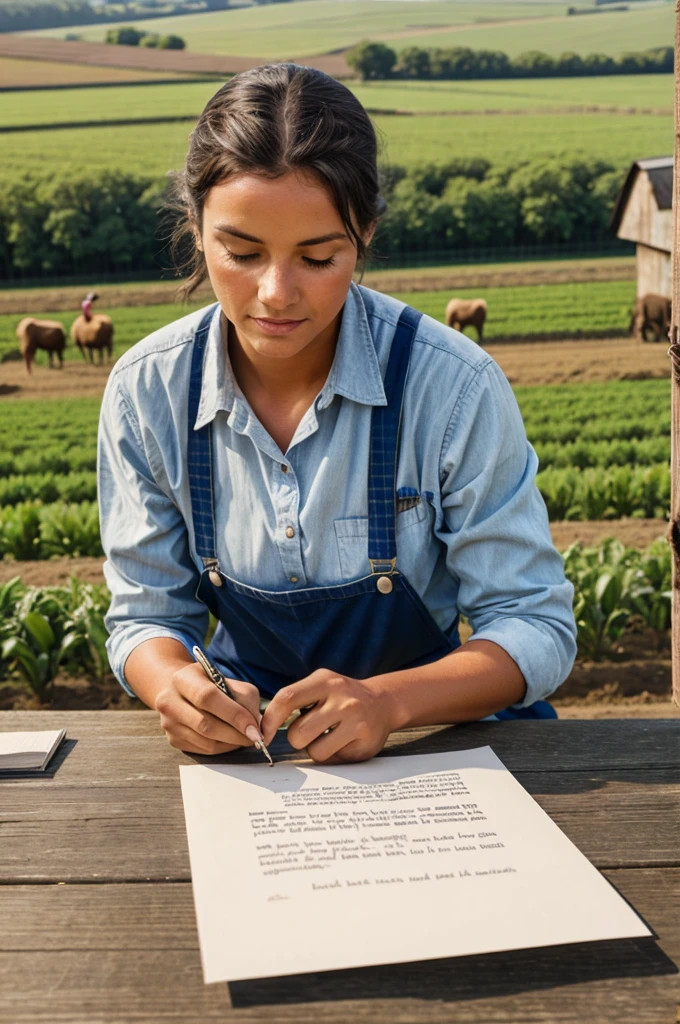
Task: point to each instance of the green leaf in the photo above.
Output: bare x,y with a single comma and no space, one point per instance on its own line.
41,631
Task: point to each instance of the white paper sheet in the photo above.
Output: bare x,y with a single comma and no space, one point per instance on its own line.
393,860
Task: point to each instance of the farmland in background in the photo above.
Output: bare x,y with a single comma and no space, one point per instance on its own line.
24,73
187,99
285,31
603,447
603,451
526,311
502,138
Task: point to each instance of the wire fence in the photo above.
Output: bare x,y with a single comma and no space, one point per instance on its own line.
426,258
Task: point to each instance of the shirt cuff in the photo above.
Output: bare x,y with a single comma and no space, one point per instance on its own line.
121,647
544,660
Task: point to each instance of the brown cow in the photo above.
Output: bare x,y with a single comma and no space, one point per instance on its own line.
651,313
48,335
94,335
462,313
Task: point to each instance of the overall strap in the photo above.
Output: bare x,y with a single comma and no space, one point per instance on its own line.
199,452
385,428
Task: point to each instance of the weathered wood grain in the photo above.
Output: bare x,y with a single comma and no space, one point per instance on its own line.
136,831
124,953
569,745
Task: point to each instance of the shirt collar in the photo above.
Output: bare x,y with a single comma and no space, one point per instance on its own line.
355,373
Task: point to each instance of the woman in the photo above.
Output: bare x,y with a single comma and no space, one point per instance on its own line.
333,475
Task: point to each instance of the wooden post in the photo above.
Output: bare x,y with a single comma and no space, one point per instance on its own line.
674,352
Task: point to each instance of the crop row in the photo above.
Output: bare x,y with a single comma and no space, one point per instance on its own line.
31,530
34,531
48,487
46,630
643,492
70,475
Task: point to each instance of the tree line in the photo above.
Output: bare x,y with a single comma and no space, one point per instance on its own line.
111,222
127,35
23,15
379,61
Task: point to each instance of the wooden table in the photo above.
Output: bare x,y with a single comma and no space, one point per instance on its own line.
97,918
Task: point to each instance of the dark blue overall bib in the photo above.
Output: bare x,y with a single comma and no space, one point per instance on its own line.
359,628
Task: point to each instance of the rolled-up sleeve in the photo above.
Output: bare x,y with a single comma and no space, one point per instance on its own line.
148,567
511,579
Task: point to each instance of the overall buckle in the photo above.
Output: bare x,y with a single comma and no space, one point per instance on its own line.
383,568
213,567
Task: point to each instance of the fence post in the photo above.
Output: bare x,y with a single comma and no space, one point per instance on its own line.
674,352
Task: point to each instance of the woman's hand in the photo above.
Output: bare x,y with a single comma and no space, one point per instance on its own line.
200,719
349,720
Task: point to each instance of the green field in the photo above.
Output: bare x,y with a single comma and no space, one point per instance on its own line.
626,91
570,309
282,31
61,106
188,99
501,138
511,138
611,33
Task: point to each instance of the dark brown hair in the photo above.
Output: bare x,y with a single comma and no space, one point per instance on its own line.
271,120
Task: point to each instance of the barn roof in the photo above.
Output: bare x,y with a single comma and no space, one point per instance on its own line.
660,173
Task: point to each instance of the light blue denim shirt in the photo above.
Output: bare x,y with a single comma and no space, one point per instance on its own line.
476,540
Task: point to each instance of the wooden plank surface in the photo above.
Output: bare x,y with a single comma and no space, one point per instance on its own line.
569,745
137,832
116,953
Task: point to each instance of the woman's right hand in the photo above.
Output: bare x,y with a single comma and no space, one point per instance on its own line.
195,715
200,719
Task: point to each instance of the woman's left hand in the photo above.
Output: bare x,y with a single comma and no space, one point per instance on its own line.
359,717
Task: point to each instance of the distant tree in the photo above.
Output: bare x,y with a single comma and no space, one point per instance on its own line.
372,60
126,35
533,64
150,39
460,61
492,64
414,63
171,42
599,64
569,64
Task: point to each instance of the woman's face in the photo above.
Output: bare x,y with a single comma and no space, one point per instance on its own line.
279,259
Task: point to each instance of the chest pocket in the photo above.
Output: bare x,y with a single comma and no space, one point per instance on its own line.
413,529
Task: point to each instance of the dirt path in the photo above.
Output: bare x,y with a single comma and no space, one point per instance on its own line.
578,361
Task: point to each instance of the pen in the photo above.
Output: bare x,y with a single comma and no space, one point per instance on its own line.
215,676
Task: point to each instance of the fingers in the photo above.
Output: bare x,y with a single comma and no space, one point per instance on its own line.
248,696
292,698
309,727
199,718
199,691
341,745
190,742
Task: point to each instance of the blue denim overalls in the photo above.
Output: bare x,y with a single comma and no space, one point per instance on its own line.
358,628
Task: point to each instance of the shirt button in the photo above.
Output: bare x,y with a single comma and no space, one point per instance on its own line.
293,579
290,532
284,467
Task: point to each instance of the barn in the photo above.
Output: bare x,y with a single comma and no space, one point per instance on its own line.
643,215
